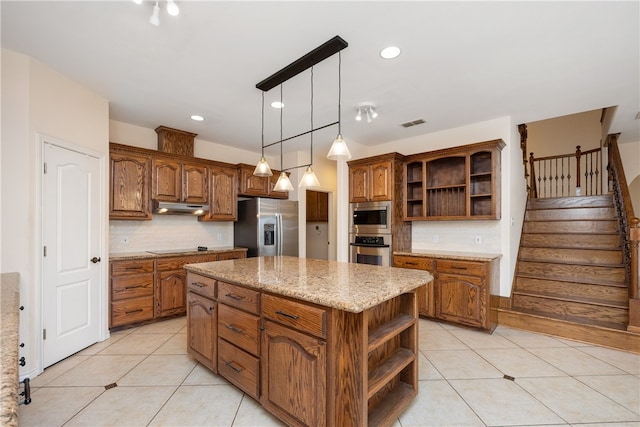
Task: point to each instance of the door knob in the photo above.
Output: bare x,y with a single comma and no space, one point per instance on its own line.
95,259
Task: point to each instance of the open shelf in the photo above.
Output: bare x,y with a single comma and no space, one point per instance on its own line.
389,330
388,369
395,403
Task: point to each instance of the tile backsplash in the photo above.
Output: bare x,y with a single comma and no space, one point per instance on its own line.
168,232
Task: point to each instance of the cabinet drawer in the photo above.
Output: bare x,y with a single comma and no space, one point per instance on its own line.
239,328
239,297
418,263
231,255
131,287
201,285
300,316
120,268
131,311
176,263
468,268
239,367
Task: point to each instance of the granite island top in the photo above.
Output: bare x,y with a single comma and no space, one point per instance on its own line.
345,286
122,256
9,319
459,255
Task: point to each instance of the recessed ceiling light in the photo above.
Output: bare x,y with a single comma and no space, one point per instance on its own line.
277,104
390,52
197,118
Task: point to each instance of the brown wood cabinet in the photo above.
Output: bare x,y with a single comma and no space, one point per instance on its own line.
129,186
258,186
202,329
461,291
132,291
175,181
223,196
152,288
454,183
372,179
317,206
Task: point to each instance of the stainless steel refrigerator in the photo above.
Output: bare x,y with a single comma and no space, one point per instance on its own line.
267,227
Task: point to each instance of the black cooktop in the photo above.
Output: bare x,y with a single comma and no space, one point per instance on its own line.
178,251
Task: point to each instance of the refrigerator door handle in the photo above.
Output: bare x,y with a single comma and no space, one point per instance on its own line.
278,235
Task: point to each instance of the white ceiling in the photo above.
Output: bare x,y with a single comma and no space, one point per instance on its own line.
461,62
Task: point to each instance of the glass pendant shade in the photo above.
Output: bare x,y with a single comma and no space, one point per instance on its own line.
339,149
283,183
309,179
262,168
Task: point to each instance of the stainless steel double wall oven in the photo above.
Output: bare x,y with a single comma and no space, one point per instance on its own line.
370,233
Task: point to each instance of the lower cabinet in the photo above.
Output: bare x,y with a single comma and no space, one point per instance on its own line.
201,329
461,290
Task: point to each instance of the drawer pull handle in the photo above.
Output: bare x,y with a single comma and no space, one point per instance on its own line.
455,267
234,329
230,364
134,287
134,311
235,297
200,285
411,263
290,316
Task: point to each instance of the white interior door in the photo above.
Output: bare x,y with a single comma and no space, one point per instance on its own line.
71,239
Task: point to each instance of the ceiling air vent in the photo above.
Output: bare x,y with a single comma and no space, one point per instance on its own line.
413,123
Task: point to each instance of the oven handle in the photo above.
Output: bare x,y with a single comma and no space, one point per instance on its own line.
369,245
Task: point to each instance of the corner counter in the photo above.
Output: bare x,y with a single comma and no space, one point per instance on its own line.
10,321
316,343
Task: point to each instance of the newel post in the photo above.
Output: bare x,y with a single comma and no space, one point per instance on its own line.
578,189
634,301
533,190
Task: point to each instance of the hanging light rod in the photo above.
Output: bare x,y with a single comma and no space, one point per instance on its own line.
305,62
301,134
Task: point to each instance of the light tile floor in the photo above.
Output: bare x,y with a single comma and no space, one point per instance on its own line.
557,382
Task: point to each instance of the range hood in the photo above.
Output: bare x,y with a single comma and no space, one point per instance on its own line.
170,208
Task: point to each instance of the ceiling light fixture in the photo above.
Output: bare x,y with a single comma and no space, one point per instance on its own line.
262,168
277,104
390,52
367,110
172,8
197,118
155,16
339,149
319,54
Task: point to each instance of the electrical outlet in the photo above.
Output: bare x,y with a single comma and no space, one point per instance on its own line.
436,238
478,239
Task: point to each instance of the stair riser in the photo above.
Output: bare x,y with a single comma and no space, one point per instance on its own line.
574,310
570,214
573,273
578,256
612,294
583,241
570,227
571,202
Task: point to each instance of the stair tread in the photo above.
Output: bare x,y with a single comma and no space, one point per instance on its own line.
570,262
573,280
575,299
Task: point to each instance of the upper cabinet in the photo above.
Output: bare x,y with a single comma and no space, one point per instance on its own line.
129,186
223,195
372,179
260,186
175,181
317,206
455,183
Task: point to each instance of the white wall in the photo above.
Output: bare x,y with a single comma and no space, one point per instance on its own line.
37,100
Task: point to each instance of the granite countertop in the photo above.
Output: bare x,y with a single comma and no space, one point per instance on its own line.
464,256
120,256
9,319
345,286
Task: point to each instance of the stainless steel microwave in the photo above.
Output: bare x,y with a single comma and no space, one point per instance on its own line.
371,218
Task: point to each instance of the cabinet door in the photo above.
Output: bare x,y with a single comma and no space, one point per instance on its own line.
167,181
202,330
323,206
381,174
224,194
171,292
195,184
312,206
461,299
294,364
129,187
252,185
359,183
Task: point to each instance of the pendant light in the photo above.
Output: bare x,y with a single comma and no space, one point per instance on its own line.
262,168
339,149
309,179
283,183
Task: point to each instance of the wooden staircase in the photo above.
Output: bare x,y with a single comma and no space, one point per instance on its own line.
570,264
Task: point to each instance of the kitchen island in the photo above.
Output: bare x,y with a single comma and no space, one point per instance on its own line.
317,343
